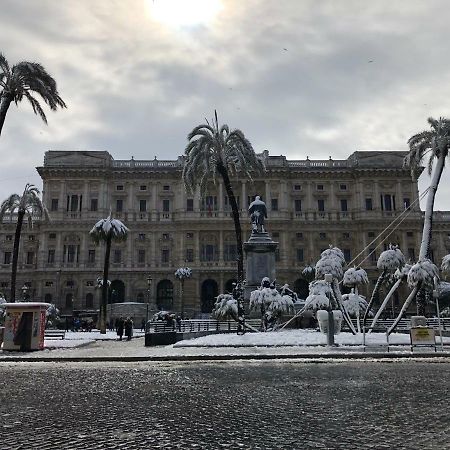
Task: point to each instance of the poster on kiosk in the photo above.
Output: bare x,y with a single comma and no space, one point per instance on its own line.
25,326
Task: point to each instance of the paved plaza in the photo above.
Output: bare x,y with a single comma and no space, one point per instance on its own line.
225,404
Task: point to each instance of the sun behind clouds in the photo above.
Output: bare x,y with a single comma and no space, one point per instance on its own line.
183,13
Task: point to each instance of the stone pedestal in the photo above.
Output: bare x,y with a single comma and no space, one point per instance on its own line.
260,261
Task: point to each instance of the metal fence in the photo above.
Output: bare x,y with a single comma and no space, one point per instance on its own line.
196,325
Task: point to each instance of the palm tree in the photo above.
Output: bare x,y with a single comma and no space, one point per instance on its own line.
183,273
107,230
23,79
29,205
436,143
212,150
389,261
421,275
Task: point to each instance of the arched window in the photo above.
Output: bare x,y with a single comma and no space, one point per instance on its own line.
210,291
89,301
164,295
69,300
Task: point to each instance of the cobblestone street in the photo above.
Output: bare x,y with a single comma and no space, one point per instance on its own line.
254,405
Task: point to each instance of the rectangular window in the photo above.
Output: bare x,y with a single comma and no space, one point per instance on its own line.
91,256
297,187
8,237
52,236
409,234
166,187
4,284
320,187
54,204
347,255
141,256
372,255
189,235
230,252
387,202
299,235
300,255
371,234
322,236
343,187
94,204
31,237
117,256
321,205
143,187
119,205
141,236
189,204
274,204
208,252
142,205
189,255
345,235
298,205
344,205
7,258
119,187
51,256
166,205
166,236
49,283
406,203
30,257
209,203
165,255
71,250
369,206
74,203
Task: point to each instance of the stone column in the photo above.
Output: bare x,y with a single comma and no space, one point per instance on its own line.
399,197
267,200
220,199
244,205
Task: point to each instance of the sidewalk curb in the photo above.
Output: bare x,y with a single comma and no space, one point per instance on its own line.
179,358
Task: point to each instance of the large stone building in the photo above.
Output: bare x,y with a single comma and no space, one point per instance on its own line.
311,204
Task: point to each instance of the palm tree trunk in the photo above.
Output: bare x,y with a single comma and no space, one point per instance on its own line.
404,308
385,302
428,220
20,216
240,258
338,297
105,286
182,297
4,105
372,298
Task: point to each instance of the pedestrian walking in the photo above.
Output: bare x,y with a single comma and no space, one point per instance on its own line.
178,320
143,325
120,326
128,328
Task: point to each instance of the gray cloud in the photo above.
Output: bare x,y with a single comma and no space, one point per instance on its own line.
298,77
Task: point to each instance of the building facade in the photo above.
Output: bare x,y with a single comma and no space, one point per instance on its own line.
354,204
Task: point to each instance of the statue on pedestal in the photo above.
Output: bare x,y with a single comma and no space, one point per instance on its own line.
258,213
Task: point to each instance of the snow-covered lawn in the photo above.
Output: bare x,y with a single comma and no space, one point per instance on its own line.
294,338
77,338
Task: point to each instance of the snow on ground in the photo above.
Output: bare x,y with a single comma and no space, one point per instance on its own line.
294,338
77,338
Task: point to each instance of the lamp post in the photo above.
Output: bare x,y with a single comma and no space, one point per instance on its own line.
25,289
149,287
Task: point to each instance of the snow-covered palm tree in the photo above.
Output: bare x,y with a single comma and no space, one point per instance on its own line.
225,307
389,261
331,262
356,306
421,275
436,144
23,80
354,277
210,151
400,275
319,296
183,273
107,230
309,273
28,206
445,265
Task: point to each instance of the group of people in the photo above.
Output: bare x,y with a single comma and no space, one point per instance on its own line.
77,324
124,325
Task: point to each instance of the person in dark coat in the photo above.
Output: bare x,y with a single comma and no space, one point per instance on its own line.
128,328
119,327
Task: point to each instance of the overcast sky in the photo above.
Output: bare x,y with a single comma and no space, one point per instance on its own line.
300,78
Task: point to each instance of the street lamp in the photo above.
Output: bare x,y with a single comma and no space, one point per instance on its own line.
149,287
25,289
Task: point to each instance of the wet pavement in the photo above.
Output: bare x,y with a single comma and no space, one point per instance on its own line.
229,404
